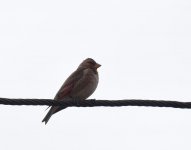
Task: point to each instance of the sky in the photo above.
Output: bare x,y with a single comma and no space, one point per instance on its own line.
145,52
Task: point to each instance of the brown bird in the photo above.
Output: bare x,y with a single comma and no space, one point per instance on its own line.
79,85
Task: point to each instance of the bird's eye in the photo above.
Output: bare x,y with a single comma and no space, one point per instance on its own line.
90,62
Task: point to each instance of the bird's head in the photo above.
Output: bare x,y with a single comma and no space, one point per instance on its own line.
89,63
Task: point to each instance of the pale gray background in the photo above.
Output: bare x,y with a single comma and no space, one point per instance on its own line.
144,48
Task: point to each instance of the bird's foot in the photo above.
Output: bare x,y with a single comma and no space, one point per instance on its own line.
76,101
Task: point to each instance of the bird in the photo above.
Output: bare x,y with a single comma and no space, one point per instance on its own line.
79,85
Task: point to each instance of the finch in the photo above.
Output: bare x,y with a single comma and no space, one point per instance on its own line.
79,85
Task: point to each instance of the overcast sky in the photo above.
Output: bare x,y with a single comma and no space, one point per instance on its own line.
145,51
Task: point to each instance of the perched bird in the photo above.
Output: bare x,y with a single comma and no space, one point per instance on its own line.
79,85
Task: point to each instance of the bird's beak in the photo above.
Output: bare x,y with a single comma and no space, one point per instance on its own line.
97,65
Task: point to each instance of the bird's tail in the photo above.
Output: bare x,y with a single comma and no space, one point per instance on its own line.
52,111
47,117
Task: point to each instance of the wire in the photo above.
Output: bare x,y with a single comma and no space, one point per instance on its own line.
96,103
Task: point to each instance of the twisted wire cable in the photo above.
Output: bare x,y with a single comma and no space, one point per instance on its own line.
96,103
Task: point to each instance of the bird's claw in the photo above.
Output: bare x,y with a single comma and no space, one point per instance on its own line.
76,101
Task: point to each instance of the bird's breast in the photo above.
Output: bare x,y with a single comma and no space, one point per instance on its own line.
86,85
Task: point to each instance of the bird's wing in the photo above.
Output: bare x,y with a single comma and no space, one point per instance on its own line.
65,91
68,85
